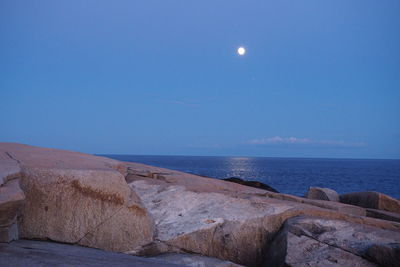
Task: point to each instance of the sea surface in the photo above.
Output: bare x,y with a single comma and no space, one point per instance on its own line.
289,175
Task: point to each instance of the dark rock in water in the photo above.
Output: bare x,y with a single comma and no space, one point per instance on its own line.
251,183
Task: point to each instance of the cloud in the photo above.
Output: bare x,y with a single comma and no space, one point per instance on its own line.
280,140
276,140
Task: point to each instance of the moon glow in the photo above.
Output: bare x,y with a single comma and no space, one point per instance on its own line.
241,51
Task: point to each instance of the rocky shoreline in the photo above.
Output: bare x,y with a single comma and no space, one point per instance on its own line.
137,214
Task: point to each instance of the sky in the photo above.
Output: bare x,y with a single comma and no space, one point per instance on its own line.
319,78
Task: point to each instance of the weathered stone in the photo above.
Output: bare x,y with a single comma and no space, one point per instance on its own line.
11,200
385,254
24,253
373,200
219,219
308,241
77,198
384,215
9,167
82,199
39,253
194,260
322,194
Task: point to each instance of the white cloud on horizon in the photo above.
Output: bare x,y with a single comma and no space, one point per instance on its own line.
302,141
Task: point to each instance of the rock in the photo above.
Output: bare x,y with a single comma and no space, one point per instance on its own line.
255,184
39,253
372,200
308,241
193,260
322,194
11,197
219,219
385,254
148,211
384,215
76,198
23,253
11,200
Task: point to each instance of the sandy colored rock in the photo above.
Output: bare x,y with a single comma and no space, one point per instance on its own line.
373,200
77,198
308,241
322,194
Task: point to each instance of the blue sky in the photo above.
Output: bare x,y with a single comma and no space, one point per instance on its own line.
319,79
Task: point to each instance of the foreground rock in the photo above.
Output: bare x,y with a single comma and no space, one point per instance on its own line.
322,194
77,198
147,211
373,200
38,253
223,220
306,241
255,184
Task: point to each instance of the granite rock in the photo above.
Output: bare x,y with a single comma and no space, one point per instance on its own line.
77,198
310,241
322,194
372,200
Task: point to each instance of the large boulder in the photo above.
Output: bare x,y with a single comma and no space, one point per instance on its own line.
77,198
322,194
373,200
310,241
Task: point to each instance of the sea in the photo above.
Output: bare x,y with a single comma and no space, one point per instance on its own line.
288,175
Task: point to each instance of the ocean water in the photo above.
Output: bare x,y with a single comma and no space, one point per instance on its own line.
289,175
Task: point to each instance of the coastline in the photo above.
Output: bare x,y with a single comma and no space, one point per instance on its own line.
142,210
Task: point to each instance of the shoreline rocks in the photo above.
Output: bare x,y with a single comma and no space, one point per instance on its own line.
372,200
143,210
322,194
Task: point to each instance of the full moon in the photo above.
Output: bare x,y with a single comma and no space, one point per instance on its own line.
241,51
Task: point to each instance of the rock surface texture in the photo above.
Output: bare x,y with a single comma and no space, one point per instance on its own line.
307,241
11,197
38,253
373,200
322,194
77,198
142,210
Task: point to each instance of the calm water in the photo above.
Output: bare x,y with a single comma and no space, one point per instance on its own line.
289,175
